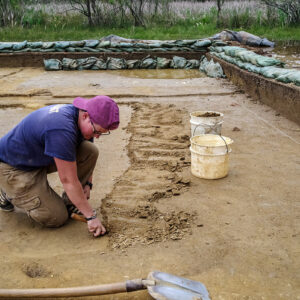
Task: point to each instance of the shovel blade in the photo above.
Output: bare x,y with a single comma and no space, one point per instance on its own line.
171,287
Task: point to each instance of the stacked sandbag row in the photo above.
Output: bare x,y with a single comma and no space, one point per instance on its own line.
108,46
111,63
266,66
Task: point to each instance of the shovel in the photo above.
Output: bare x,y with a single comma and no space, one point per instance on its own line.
160,285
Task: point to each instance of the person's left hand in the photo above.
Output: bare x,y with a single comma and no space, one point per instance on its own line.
87,191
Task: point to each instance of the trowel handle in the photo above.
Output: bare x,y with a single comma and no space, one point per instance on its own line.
77,217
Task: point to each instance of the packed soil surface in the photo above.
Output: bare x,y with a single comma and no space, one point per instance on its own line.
238,235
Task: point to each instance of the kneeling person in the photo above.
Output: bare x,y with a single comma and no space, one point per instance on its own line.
55,138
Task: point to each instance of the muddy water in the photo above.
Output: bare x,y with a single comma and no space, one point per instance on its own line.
160,74
290,54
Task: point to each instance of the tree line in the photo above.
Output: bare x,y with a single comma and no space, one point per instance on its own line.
124,12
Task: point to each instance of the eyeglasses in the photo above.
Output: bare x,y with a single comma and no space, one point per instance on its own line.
99,132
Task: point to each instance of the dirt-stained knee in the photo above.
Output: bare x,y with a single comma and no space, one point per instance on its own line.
49,220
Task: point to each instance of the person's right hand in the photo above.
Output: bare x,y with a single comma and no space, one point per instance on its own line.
96,227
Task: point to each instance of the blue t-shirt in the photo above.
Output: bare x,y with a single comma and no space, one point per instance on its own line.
46,133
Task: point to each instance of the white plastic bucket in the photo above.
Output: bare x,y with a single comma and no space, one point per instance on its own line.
206,122
210,156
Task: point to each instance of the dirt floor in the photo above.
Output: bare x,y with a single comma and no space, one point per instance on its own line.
238,235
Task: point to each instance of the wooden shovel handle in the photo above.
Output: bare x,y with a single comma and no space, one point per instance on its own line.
103,289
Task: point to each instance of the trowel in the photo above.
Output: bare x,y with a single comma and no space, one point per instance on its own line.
160,285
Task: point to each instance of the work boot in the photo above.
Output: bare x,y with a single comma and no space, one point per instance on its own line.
5,204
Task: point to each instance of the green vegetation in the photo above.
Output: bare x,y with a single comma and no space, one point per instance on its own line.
161,20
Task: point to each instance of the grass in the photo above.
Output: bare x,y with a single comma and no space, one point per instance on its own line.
182,30
185,20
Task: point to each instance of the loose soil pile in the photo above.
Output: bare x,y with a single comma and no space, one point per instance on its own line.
160,162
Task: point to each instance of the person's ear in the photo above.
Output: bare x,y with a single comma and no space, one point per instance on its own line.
85,115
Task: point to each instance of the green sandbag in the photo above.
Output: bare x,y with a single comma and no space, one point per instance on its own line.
219,43
22,51
116,63
47,50
269,72
295,77
214,70
252,68
203,63
167,44
79,49
70,49
148,63
178,62
203,43
291,76
91,43
163,63
216,49
48,45
34,45
52,64
69,64
88,49
285,78
185,42
4,46
76,44
100,64
19,46
61,45
104,44
125,45
133,64
86,63
154,45
192,64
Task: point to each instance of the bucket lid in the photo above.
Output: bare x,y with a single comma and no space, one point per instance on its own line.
211,140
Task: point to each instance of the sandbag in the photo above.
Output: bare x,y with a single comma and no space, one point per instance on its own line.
178,62
133,64
86,63
163,63
116,63
4,46
148,63
192,64
100,64
52,64
91,43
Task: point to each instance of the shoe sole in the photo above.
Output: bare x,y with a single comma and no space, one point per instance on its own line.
7,210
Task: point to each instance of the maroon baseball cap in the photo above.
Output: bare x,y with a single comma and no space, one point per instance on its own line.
102,110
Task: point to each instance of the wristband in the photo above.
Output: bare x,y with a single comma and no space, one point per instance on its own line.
94,216
89,184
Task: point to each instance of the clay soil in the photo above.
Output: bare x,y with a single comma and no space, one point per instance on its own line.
238,235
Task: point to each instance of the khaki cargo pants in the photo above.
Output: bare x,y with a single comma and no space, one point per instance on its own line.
31,191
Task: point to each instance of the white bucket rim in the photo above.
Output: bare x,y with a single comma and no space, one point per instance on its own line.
204,124
228,140
192,114
202,154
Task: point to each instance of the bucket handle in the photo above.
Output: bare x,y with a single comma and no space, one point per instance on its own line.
212,127
225,143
